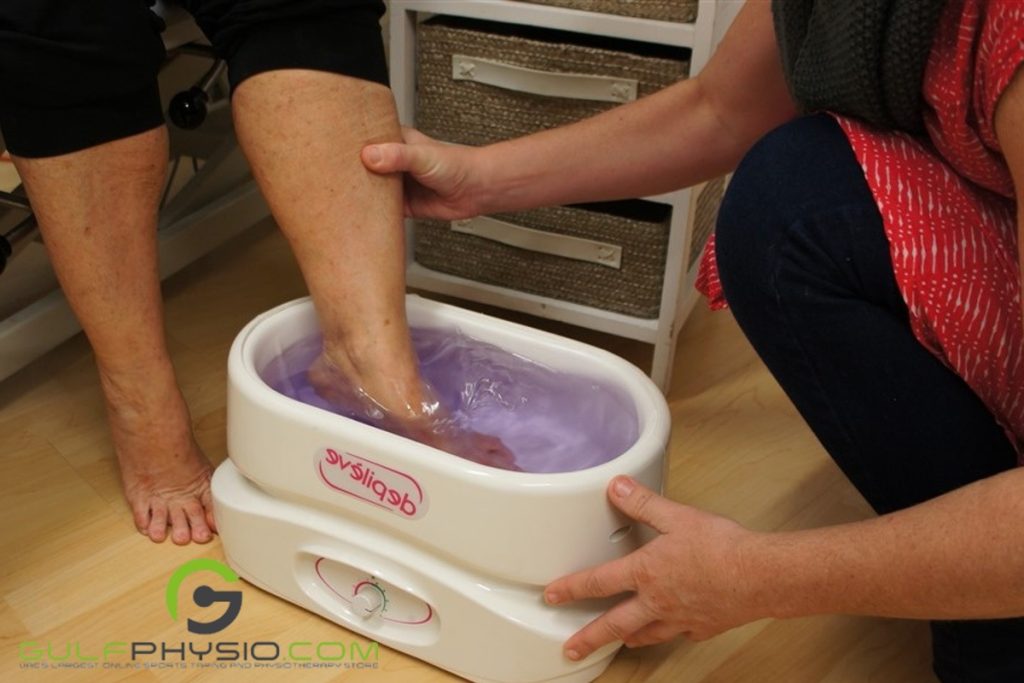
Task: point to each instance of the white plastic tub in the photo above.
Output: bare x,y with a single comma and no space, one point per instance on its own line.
416,548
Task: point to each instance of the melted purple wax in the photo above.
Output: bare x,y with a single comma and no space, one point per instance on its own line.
550,420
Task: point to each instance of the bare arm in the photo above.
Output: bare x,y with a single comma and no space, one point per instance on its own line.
959,556
694,130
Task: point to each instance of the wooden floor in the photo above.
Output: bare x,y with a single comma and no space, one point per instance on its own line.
75,573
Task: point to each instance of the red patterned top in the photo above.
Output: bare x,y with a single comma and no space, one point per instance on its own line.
948,207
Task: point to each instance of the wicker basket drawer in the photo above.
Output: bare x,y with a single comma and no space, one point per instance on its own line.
481,82
683,11
609,256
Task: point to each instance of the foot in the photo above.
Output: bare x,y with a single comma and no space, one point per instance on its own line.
414,413
166,477
442,433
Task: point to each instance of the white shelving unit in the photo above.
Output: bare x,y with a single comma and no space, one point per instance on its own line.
678,295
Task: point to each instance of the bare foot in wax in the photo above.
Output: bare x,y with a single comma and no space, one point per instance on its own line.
427,422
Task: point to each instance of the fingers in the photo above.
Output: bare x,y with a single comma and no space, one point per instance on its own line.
618,623
652,634
395,157
414,137
382,158
602,581
418,155
641,503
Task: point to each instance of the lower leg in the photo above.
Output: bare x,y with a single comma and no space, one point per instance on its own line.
302,131
97,212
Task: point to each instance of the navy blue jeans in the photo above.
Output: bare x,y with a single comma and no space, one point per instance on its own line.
805,265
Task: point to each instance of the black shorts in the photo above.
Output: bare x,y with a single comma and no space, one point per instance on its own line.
77,73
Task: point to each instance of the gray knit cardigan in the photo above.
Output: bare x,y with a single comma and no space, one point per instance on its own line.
862,58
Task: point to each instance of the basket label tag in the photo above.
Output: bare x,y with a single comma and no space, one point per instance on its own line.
576,86
540,241
371,482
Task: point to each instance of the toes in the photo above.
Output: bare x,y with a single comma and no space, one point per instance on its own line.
158,521
188,522
197,521
206,499
140,513
180,532
498,454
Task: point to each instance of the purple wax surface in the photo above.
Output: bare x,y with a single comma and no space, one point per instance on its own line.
550,420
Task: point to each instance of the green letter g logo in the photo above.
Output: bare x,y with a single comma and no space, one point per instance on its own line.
204,596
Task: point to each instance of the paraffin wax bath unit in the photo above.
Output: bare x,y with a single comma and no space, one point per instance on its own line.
422,551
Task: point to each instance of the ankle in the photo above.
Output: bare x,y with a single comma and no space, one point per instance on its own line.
141,391
386,375
381,396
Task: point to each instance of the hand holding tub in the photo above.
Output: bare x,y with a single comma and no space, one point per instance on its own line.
686,581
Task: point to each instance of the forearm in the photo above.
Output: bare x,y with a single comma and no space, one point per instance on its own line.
958,556
694,130
636,150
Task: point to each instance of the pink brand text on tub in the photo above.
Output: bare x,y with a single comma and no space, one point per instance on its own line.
372,482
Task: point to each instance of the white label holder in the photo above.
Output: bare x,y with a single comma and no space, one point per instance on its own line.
566,246
546,83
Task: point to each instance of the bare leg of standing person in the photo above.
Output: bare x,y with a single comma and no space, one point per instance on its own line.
97,210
